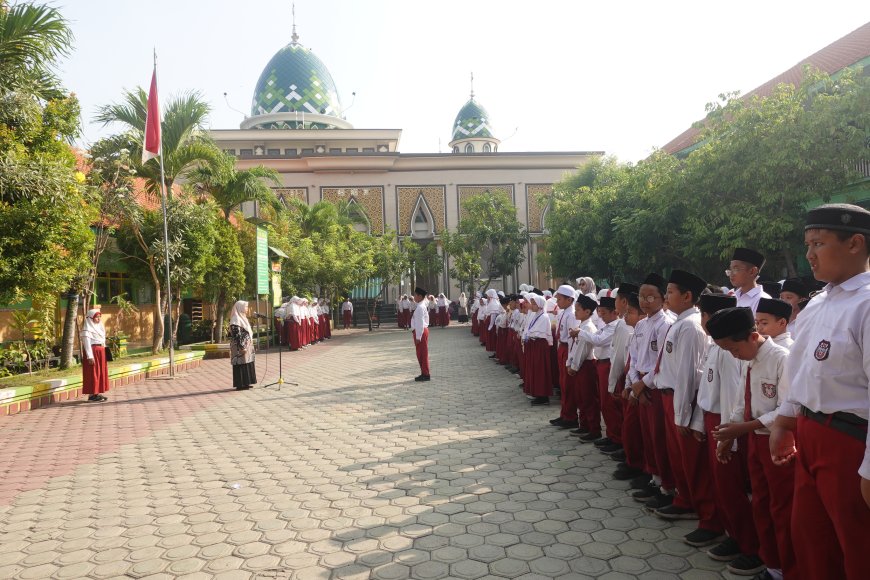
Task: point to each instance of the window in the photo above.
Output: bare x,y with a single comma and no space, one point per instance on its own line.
487,148
456,148
111,284
422,224
273,152
469,148
308,151
335,149
290,152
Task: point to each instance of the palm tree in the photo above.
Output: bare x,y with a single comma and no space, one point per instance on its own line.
185,146
230,187
185,143
32,38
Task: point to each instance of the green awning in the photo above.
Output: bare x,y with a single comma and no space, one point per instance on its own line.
278,252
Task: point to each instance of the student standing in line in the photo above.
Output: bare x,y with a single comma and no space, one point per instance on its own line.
771,319
95,374
743,273
793,291
825,416
581,370
420,333
565,323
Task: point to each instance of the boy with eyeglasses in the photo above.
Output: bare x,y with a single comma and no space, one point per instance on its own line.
743,273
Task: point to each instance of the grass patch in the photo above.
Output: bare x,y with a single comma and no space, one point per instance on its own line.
24,379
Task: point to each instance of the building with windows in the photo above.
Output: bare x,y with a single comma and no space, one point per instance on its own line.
297,127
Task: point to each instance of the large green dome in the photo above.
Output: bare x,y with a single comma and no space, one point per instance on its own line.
295,82
472,122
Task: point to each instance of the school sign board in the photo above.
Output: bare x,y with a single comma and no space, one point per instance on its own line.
263,277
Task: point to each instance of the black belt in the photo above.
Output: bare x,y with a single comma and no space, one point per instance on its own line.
848,423
563,342
603,360
666,391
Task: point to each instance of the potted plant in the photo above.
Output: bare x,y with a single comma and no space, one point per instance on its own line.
117,340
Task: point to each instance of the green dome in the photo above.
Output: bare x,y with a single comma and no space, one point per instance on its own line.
472,122
295,80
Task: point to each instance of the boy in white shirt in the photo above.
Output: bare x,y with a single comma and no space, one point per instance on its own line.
581,369
771,319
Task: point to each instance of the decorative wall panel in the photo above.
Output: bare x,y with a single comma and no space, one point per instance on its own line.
369,197
434,196
466,191
537,199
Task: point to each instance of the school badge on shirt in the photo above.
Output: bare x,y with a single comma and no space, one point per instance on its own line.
654,344
669,346
709,375
768,390
823,350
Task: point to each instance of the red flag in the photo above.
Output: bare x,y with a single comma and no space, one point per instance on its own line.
151,147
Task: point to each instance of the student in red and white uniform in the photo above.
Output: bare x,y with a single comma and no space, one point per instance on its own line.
602,351
537,339
565,323
793,291
347,313
420,333
743,273
581,369
771,319
822,427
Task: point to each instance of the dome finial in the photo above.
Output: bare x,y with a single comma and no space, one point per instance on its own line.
294,38
472,85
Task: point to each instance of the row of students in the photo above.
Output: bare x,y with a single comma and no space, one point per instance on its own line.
745,412
438,310
301,323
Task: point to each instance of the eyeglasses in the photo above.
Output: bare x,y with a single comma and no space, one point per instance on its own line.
730,271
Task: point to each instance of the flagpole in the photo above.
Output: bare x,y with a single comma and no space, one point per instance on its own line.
163,199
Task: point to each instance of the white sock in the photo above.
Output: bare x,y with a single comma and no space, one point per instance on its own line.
776,573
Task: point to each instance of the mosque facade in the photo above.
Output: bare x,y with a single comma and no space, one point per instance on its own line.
297,128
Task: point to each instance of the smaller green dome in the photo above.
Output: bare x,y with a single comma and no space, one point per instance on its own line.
472,122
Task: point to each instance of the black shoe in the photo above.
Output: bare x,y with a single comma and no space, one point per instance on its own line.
422,378
725,552
569,425
579,432
541,401
672,512
492,356
748,565
701,537
646,494
603,442
93,399
516,371
522,385
618,456
625,473
556,422
763,576
610,449
590,437
641,481
659,501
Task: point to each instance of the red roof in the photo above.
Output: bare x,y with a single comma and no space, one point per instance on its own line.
844,52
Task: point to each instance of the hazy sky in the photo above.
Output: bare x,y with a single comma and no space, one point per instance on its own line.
618,76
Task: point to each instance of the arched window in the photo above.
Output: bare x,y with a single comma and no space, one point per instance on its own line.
469,148
456,148
544,218
422,223
358,215
487,148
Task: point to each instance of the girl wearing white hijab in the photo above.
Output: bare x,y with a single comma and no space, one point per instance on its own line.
95,375
537,343
462,314
242,348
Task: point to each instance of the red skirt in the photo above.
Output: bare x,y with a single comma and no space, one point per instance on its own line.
474,329
327,326
483,330
538,377
95,377
443,318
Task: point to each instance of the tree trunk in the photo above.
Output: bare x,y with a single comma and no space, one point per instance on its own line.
790,265
157,339
218,334
69,330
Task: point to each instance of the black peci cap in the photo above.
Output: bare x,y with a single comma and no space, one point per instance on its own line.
774,306
795,286
843,217
633,300
749,256
628,288
729,322
420,292
689,281
607,302
713,303
586,302
771,287
803,304
654,279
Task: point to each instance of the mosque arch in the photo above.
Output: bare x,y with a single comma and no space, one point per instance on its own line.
362,223
422,220
469,148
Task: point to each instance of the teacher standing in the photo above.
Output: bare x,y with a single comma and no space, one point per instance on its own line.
242,348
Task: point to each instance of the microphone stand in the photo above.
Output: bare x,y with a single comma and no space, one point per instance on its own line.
280,381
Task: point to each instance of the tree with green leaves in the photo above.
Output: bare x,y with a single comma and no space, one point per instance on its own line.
33,38
423,260
230,187
464,259
225,274
184,140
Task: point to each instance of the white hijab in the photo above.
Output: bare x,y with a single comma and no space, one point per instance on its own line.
239,316
92,329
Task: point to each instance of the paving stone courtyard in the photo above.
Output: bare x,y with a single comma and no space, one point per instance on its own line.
357,472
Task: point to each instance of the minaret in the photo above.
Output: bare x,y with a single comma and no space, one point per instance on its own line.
472,132
294,38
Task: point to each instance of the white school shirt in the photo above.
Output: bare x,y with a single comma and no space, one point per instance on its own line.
347,306
750,299
481,312
581,349
621,335
494,315
768,385
719,386
420,319
829,364
566,323
602,341
784,340
441,302
681,361
792,326
652,340
538,327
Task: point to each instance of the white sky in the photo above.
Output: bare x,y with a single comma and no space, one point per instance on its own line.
619,76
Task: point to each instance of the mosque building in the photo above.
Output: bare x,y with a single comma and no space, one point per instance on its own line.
297,127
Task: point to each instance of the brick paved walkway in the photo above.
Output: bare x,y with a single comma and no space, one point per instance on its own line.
358,472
